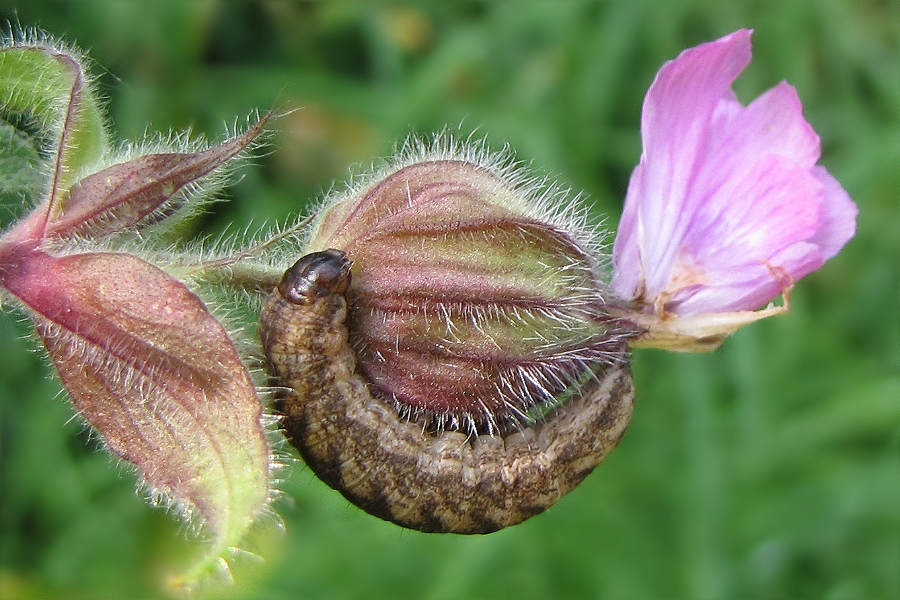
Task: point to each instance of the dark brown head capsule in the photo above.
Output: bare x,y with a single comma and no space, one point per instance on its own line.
315,276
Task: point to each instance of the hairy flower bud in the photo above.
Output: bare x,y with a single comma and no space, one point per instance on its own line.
449,346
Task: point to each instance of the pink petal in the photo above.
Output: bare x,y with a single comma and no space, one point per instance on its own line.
726,207
838,216
773,124
755,192
754,214
628,266
675,125
747,286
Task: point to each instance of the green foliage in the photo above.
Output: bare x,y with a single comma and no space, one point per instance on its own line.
20,164
769,469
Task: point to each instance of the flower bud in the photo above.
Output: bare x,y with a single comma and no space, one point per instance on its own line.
143,359
448,344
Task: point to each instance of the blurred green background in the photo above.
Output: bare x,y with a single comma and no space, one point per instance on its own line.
769,469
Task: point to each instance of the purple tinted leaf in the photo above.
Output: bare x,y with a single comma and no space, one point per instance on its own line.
156,374
123,195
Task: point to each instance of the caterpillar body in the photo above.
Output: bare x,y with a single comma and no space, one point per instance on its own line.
397,469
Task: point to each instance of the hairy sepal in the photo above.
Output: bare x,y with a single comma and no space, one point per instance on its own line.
477,304
149,367
141,191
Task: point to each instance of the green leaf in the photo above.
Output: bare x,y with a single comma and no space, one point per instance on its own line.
48,85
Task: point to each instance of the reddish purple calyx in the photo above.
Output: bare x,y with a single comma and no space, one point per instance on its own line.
466,310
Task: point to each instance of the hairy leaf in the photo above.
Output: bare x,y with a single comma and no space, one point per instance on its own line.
49,85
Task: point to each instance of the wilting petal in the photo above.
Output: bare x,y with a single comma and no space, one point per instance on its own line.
158,377
727,208
674,127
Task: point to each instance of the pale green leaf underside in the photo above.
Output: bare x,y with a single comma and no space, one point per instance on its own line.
49,87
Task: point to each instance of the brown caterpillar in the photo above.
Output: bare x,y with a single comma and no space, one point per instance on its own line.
395,469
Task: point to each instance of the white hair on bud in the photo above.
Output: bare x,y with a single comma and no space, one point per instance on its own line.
539,198
565,355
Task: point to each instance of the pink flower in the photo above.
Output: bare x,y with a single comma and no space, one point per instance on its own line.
727,208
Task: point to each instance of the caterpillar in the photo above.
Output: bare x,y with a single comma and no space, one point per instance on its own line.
393,467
